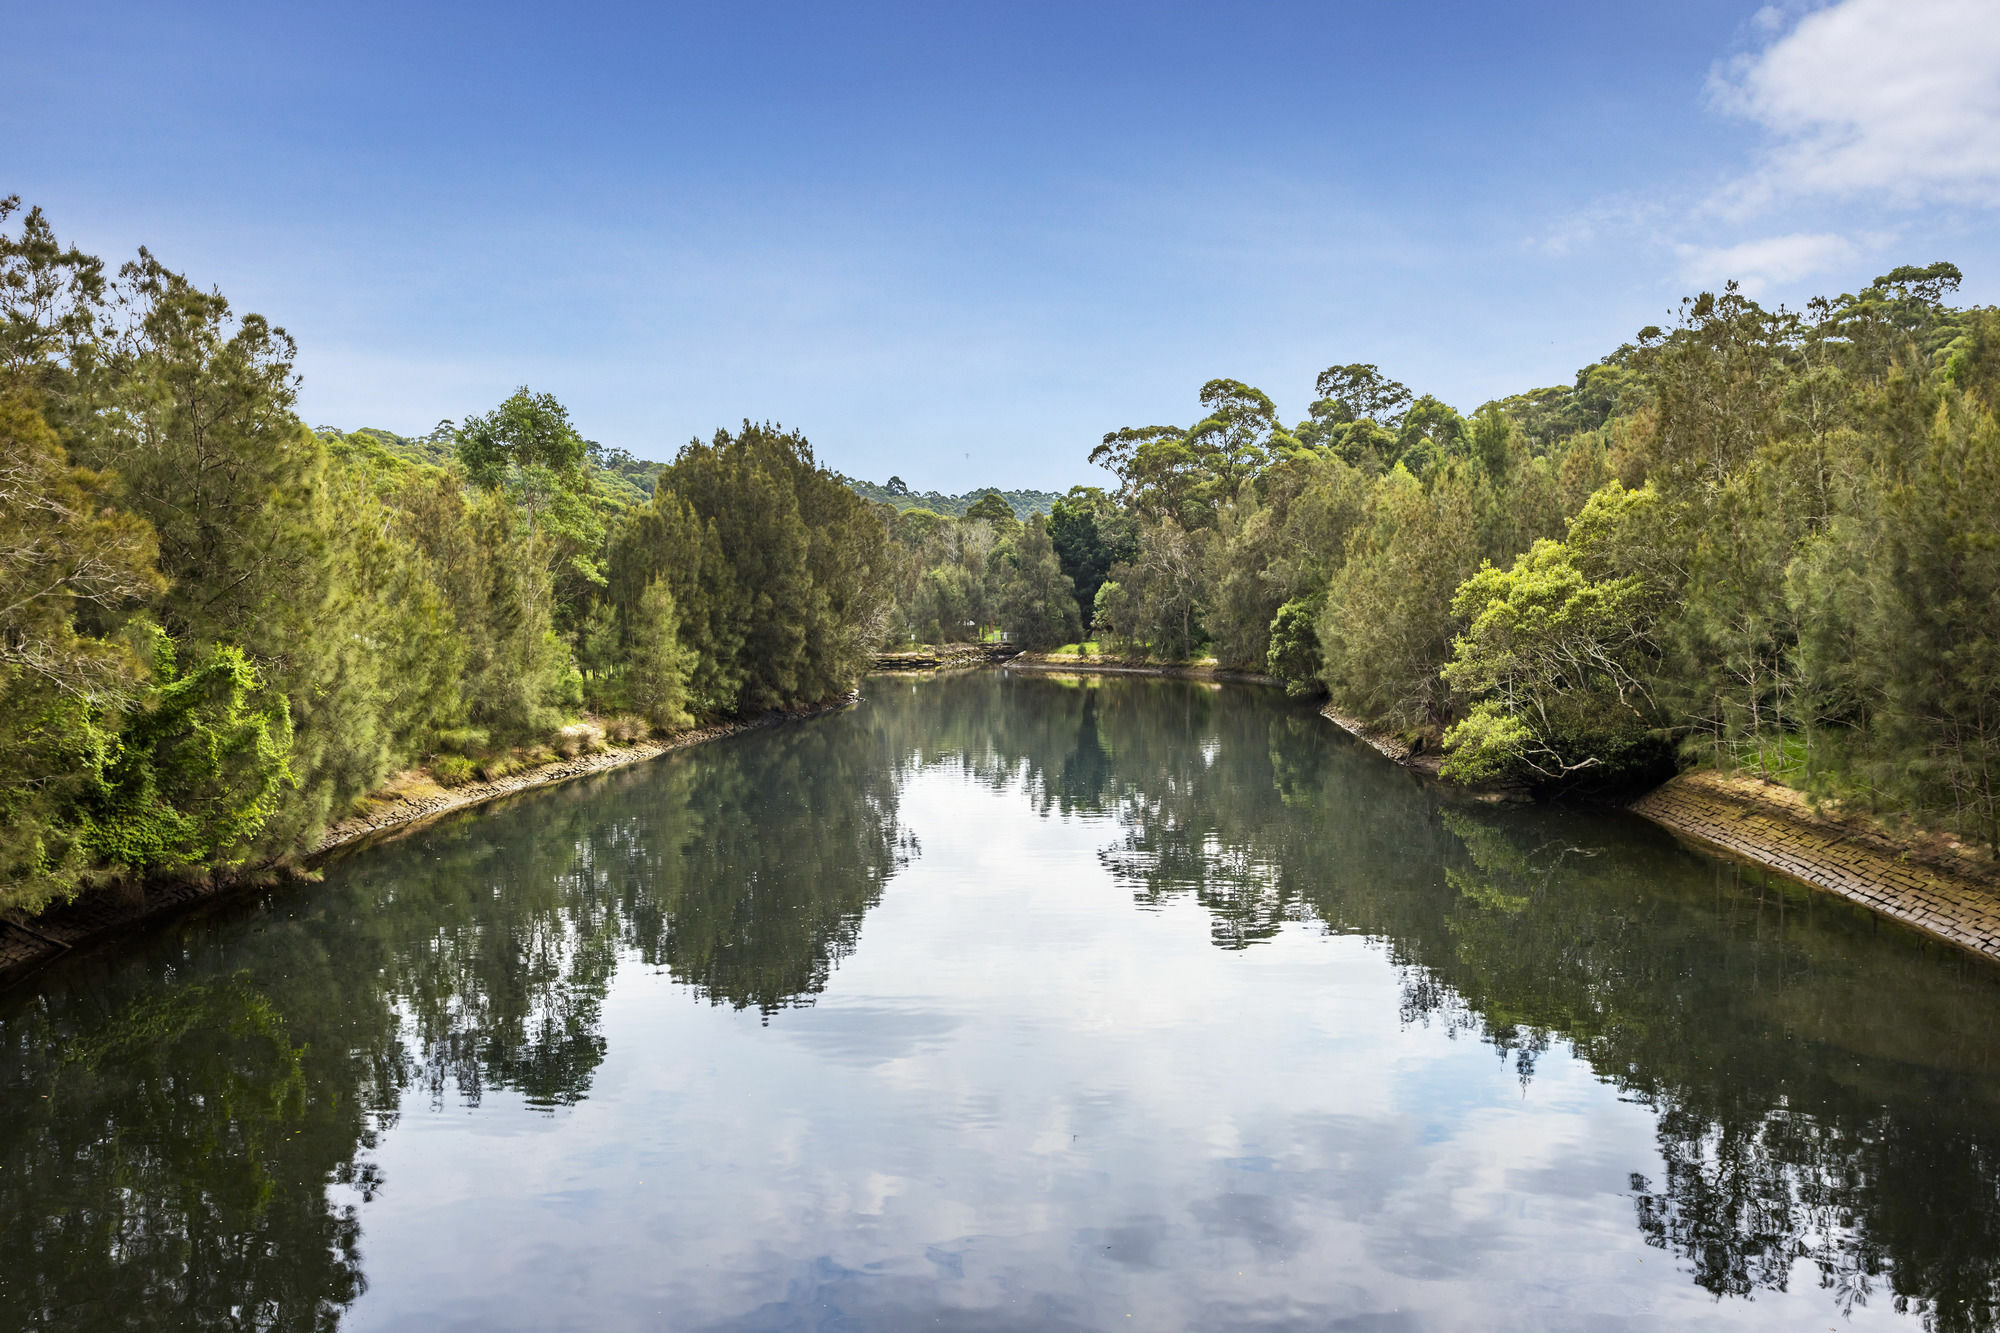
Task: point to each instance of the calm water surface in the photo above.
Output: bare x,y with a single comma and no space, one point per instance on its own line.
1003,1003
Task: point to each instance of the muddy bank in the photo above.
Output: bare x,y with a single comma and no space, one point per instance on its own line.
409,802
1943,891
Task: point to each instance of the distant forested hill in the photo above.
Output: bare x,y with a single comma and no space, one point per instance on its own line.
896,493
617,475
620,476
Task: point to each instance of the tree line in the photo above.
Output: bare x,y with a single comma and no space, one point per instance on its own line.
896,493
219,628
1759,537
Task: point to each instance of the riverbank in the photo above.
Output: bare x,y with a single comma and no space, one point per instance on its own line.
1923,883
1926,883
407,802
1933,885
1382,743
944,657
1115,666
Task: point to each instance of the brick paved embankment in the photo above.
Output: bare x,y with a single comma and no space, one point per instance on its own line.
1774,827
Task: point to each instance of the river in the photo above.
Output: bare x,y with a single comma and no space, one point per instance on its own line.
1007,1003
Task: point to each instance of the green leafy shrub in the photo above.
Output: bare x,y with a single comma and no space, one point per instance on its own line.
452,770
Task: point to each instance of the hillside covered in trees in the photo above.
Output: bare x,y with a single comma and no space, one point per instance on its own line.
1763,538
1759,537
897,494
219,628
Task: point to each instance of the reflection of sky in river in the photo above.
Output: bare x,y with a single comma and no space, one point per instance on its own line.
1022,1104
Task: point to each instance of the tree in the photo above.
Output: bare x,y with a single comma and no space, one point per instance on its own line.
65,554
54,321
1158,473
1355,416
198,772
1929,641
1090,535
527,447
65,547
993,508
1155,600
1555,665
1166,472
1431,433
1359,393
658,667
777,570
510,674
262,547
1235,441
1040,605
1387,624
1293,655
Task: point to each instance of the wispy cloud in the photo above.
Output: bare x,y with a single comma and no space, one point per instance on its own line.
1769,261
1894,98
1861,109
1606,218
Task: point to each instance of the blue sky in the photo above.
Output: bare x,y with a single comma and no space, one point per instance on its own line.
960,242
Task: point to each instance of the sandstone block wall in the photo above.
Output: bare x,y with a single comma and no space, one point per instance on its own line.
1778,831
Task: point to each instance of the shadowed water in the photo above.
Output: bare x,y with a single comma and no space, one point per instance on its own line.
1010,1003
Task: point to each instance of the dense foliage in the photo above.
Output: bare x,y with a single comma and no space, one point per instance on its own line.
219,628
1761,537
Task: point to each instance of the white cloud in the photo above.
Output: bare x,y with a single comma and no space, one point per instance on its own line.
1899,98
1608,217
1773,260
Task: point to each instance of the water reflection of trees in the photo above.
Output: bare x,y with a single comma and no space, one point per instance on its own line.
186,1126
743,871
1827,1090
166,1155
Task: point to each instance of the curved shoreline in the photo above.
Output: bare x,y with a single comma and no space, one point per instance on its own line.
99,916
1774,828
1767,826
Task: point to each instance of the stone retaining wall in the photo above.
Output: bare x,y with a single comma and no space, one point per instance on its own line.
1775,828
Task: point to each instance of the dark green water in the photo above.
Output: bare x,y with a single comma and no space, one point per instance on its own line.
1003,1003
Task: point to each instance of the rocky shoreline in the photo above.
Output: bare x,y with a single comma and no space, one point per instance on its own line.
1946,895
1941,891
1950,897
392,812
1114,666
